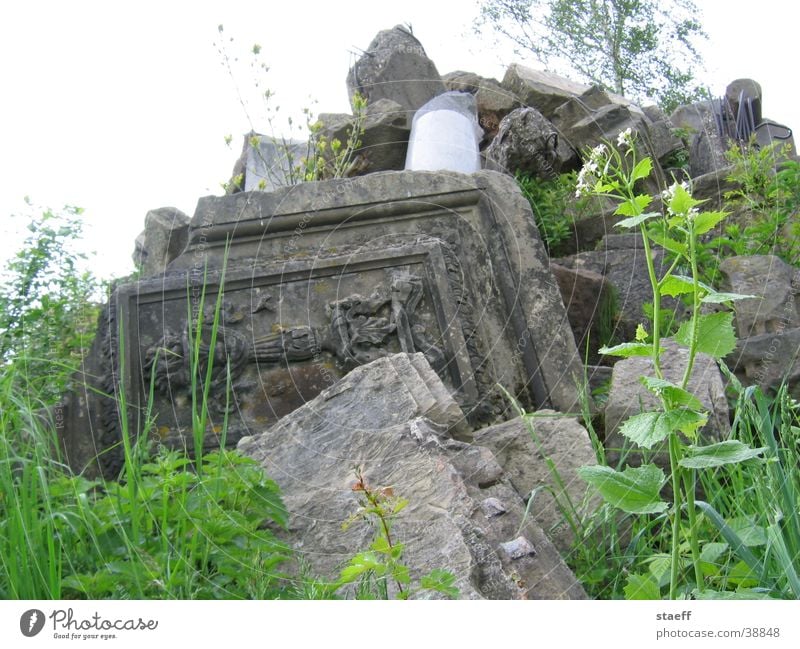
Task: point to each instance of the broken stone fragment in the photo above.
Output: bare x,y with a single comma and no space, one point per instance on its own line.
527,142
384,418
493,507
165,235
395,67
384,141
518,548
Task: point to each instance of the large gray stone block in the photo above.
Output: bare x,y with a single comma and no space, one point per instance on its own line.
775,286
462,513
395,67
541,90
324,277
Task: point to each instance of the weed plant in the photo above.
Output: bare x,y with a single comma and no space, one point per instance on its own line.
170,527
555,209
740,539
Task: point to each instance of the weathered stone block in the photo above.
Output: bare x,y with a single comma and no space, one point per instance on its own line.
541,90
165,235
384,141
775,286
324,277
527,142
370,420
523,456
395,67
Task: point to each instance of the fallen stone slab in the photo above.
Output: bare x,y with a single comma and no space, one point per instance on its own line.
462,515
395,66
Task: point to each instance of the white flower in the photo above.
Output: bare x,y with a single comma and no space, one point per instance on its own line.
598,152
585,178
625,138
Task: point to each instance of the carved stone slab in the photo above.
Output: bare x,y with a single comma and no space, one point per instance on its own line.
317,279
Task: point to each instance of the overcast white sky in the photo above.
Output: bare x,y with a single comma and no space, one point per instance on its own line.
123,107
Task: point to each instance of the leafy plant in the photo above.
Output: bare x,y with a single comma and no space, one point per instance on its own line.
321,158
613,173
766,206
47,314
374,569
555,209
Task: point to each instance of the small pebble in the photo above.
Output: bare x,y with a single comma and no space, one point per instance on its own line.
493,507
518,548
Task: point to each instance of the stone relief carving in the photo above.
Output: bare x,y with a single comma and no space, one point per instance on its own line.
358,331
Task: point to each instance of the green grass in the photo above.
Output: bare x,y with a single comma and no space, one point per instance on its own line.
164,530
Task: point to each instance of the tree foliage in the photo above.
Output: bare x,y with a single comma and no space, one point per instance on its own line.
644,49
47,309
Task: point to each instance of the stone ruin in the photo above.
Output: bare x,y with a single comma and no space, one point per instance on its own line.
375,320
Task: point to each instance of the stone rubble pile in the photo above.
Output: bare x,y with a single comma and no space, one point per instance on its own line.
371,321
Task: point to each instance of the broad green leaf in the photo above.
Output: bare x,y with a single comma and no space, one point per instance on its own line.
706,221
715,335
715,297
626,350
360,564
605,188
675,395
711,552
675,285
633,221
658,235
709,557
742,575
400,573
751,535
650,428
440,581
634,490
682,200
645,429
642,169
730,451
635,206
641,587
659,565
